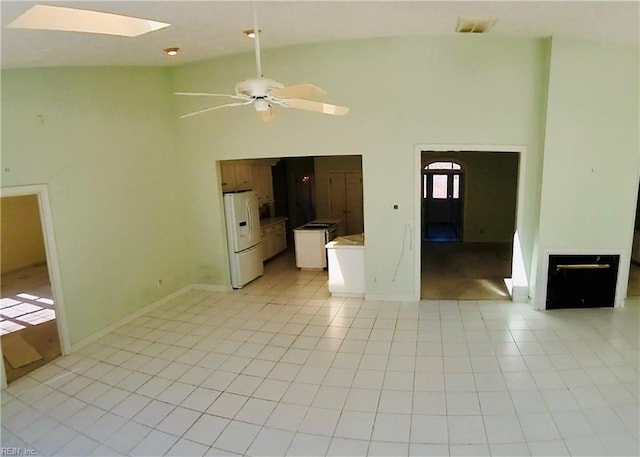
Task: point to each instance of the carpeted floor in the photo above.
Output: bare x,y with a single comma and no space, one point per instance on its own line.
633,288
474,271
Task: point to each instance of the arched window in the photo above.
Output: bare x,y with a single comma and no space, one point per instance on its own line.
443,166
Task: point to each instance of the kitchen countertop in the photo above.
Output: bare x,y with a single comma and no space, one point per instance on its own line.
320,224
269,221
347,241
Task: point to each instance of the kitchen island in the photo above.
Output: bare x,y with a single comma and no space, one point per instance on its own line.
310,240
345,257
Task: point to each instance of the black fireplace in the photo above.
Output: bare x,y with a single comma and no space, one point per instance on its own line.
582,281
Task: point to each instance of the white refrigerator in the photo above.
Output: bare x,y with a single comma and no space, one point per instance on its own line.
243,237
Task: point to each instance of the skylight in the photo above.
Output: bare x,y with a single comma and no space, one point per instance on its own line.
47,17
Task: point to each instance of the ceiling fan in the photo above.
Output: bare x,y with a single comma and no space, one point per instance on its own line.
264,93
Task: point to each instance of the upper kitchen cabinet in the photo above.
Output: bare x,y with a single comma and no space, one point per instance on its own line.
236,176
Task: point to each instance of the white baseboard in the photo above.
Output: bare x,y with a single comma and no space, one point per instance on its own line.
211,287
347,295
520,294
110,328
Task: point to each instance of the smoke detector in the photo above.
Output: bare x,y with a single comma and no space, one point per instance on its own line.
475,24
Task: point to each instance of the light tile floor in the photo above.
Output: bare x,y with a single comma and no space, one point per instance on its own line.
280,368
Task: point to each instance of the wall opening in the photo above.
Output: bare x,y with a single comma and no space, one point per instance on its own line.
294,191
28,320
633,285
477,261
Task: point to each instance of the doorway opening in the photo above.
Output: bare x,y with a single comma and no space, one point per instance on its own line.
294,191
442,201
468,220
29,323
633,285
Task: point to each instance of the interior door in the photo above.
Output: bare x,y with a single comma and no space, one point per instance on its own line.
353,203
337,196
345,200
305,199
443,205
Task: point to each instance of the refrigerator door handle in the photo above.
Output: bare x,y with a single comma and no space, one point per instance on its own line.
250,218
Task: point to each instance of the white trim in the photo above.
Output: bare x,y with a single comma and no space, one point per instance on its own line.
211,287
440,147
111,327
3,376
540,301
520,294
53,267
347,295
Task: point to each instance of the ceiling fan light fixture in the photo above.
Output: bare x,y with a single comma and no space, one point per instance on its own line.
171,51
250,33
261,105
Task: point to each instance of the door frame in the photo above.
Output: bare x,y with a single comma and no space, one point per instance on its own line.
46,223
519,279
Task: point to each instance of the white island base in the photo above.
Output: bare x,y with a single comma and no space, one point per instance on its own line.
345,262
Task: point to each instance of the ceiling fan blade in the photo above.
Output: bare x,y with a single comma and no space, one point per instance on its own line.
299,91
205,94
215,108
319,107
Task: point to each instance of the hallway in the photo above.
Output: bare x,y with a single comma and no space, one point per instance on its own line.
463,271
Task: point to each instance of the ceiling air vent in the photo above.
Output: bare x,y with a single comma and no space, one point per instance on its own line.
475,24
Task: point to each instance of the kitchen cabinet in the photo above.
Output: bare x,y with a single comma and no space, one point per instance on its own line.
235,176
274,236
262,183
345,258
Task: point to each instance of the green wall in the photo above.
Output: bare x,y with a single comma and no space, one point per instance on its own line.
402,92
592,152
104,146
135,192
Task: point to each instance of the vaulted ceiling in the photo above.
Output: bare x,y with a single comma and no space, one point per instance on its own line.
206,29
